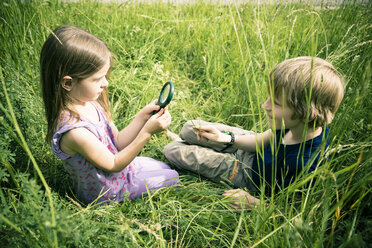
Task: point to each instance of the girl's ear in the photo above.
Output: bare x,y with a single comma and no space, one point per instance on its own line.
66,83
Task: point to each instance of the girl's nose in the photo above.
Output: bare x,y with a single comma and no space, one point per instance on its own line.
104,82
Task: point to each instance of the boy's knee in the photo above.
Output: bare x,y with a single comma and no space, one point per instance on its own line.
168,149
187,133
173,151
178,153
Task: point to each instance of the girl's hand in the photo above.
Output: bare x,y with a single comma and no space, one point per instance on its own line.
211,133
241,199
158,122
146,112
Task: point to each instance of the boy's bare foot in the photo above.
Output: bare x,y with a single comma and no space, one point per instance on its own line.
173,136
241,199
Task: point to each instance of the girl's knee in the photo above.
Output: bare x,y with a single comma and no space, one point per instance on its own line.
172,177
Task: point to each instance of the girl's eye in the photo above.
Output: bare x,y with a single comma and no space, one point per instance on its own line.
99,79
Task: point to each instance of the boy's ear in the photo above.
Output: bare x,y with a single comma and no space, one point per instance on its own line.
314,113
66,83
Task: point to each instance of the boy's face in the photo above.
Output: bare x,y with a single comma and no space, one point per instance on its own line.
280,114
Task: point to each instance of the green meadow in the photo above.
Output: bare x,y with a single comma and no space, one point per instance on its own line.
219,58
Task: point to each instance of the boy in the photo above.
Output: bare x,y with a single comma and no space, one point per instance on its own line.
304,94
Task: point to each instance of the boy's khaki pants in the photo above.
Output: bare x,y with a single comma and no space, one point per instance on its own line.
205,157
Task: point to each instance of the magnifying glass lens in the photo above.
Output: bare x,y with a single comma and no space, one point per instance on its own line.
165,94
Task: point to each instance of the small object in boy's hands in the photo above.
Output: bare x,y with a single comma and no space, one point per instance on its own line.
165,96
194,126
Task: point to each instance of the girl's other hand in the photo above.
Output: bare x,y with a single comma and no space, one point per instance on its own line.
146,112
211,133
158,122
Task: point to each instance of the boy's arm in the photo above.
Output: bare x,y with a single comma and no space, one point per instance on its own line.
244,142
250,143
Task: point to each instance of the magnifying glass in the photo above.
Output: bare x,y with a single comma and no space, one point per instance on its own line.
165,96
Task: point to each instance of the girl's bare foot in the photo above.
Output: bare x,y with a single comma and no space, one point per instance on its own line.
173,136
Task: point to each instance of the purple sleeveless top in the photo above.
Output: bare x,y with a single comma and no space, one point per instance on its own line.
91,183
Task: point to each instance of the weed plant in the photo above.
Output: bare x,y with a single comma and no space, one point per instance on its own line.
219,57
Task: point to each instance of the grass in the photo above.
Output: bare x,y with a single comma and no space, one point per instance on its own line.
219,58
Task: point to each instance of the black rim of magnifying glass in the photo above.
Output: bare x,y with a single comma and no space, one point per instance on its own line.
169,97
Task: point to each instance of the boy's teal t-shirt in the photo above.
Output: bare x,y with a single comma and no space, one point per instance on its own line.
281,163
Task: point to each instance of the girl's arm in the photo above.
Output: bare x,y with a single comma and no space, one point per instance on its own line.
244,142
82,141
130,132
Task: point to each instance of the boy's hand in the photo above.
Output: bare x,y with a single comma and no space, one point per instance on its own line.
158,122
241,199
211,133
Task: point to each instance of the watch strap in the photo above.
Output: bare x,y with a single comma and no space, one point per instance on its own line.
232,141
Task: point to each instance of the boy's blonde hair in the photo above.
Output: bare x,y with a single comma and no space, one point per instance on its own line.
312,88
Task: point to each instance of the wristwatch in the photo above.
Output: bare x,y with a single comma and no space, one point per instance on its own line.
232,141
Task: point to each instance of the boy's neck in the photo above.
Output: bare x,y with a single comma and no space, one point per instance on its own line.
299,135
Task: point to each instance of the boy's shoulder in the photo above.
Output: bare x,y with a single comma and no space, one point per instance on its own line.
308,147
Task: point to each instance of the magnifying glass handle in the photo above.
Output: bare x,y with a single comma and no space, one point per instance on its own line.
155,111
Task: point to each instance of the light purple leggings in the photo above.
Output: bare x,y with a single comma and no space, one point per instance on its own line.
155,174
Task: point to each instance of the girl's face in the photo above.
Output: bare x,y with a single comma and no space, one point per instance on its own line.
279,114
90,88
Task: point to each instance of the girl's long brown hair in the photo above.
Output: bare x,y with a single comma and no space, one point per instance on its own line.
69,51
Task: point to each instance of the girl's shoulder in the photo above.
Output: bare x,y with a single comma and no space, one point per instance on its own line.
67,118
101,111
71,117
98,106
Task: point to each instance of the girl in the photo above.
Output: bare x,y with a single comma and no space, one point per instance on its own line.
101,160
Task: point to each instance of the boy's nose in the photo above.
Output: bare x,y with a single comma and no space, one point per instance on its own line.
267,104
